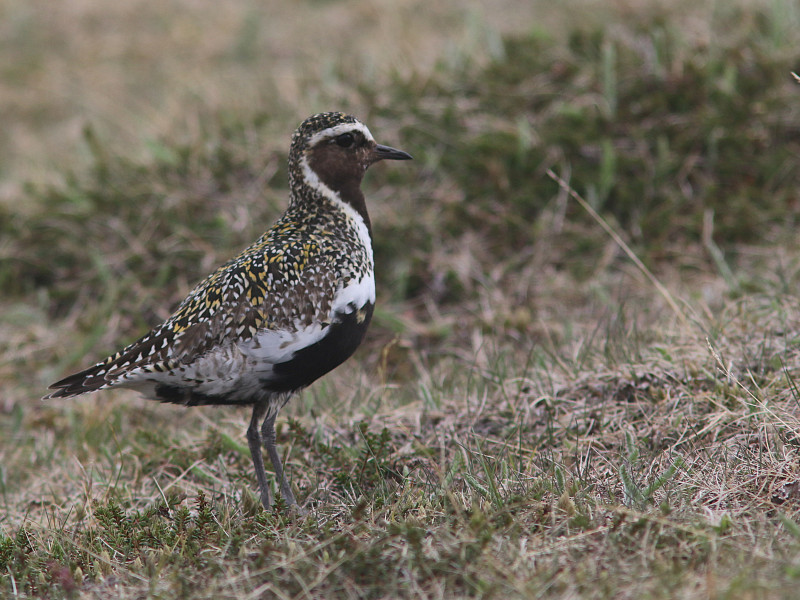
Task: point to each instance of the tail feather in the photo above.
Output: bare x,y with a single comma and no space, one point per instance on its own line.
107,372
88,380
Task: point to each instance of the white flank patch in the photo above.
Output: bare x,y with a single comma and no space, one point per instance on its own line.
355,295
272,347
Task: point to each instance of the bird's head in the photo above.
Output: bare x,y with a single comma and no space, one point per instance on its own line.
331,151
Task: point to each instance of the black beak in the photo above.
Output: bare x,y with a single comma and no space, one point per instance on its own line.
385,152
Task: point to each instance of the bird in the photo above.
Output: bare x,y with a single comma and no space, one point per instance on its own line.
287,310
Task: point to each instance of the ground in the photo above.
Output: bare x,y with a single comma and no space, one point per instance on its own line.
581,377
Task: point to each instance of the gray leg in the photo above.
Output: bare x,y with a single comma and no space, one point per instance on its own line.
254,441
268,433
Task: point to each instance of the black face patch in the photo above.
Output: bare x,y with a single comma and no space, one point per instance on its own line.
339,167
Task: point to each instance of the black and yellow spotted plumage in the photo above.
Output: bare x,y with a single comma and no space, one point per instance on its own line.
288,309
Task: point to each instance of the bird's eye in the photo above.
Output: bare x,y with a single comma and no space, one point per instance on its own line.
346,140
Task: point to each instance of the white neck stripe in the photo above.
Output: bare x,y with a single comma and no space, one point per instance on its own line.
313,181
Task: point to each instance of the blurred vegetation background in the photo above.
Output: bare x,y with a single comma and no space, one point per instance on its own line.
156,137
145,143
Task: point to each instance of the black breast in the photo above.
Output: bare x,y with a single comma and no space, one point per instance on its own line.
309,364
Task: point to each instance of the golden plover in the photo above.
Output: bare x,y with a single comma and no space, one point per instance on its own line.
284,312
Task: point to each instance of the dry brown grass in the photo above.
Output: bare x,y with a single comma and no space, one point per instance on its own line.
530,418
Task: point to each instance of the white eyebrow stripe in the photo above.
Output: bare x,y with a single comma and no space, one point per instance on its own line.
332,132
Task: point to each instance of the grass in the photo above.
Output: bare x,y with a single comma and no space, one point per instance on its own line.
537,413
